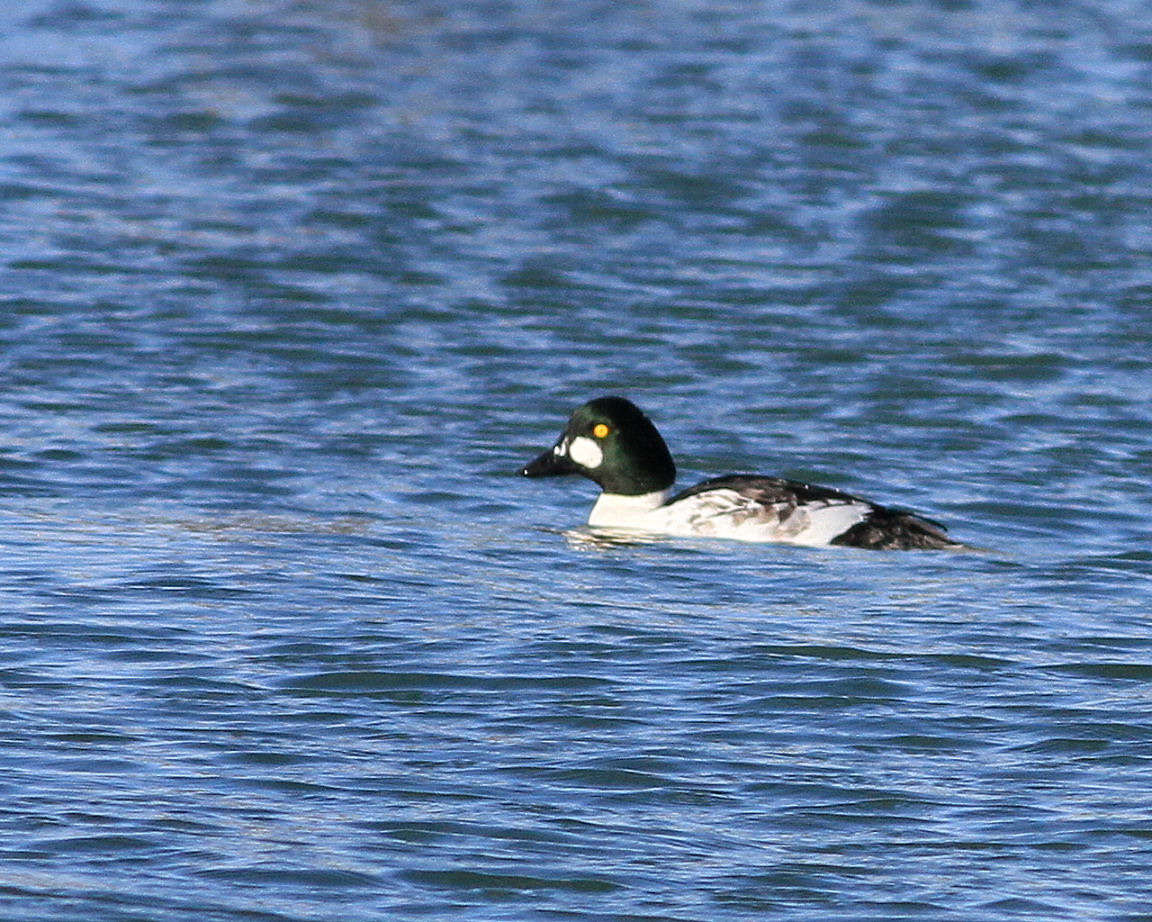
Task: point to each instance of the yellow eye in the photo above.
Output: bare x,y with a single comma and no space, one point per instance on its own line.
600,430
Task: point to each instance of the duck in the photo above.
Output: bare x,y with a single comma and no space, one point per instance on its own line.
613,443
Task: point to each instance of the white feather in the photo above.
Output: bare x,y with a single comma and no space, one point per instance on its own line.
615,510
723,513
585,452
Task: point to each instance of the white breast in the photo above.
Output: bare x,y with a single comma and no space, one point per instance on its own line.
614,510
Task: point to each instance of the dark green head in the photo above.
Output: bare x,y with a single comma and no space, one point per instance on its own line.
610,441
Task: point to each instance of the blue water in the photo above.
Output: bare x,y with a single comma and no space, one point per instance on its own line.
291,289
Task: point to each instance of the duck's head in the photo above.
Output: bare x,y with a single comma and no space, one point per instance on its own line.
609,440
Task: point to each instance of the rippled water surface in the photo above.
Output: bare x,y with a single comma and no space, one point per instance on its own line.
291,289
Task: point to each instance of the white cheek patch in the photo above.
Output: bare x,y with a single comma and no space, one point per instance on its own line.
585,452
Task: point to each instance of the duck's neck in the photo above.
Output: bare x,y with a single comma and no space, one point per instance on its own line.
620,510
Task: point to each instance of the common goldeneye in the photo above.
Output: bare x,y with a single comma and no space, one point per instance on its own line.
610,441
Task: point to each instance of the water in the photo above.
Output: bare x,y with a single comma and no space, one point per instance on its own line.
291,289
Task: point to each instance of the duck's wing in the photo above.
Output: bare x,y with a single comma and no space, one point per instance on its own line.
800,513
758,508
769,491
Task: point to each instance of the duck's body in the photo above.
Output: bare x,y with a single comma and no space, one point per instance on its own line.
610,441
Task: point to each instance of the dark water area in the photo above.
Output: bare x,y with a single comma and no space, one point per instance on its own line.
291,289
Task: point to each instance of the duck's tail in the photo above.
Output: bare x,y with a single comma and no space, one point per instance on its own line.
886,529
